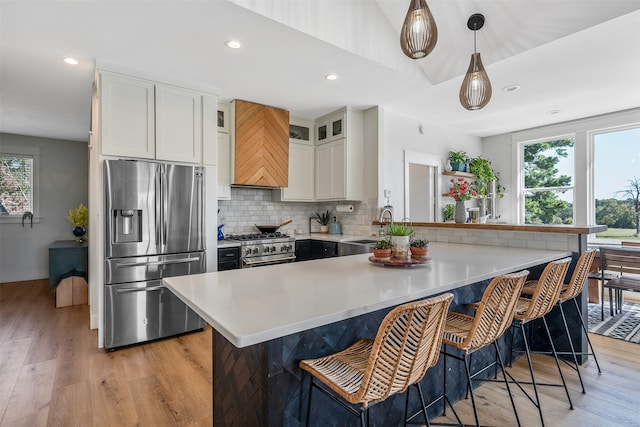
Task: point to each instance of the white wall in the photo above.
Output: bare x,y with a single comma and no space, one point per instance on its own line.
401,133
24,253
502,150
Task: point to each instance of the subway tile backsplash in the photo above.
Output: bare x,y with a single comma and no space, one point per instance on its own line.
251,206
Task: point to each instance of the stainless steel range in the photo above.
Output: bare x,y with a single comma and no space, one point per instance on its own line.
264,248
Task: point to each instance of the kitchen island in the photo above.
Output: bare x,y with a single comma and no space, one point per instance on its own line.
266,319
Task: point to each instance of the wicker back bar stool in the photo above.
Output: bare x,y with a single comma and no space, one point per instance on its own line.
542,300
493,315
569,292
369,371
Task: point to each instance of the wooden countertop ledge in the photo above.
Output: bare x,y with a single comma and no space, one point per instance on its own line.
533,228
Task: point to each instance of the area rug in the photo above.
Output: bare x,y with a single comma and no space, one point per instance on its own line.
623,326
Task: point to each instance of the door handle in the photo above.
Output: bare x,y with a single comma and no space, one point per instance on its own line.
164,262
146,289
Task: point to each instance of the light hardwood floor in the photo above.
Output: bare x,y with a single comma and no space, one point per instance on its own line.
52,374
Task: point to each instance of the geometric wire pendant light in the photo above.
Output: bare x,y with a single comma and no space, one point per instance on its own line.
475,91
419,32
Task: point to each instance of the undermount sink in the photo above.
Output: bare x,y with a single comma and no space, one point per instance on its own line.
362,241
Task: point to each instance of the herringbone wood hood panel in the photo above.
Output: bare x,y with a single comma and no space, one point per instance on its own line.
261,145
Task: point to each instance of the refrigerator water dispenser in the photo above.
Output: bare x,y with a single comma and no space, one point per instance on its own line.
127,225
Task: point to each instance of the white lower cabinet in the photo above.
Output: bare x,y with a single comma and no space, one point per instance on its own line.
224,166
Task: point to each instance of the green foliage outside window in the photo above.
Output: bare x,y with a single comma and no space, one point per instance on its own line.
15,184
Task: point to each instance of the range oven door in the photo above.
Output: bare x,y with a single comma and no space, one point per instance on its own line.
267,260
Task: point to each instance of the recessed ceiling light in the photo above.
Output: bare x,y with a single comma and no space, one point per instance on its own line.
71,61
233,44
331,77
511,88
553,112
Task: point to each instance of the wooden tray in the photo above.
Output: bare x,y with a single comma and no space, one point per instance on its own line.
399,262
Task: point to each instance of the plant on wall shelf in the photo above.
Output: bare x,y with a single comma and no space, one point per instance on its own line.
484,173
457,156
458,160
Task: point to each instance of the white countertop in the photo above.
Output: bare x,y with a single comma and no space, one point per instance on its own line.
255,305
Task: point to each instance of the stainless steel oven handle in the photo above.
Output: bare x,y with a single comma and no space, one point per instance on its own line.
165,262
147,289
249,263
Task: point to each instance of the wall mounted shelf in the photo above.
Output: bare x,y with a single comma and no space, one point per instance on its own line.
462,174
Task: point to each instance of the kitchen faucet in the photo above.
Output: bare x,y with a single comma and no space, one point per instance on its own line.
386,210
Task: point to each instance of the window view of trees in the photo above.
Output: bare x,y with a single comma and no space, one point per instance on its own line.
617,183
548,192
15,184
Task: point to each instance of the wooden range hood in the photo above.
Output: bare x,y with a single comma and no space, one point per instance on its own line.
261,140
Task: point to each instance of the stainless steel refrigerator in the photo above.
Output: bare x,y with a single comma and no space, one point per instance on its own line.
154,229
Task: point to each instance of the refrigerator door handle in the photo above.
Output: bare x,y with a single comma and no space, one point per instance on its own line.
145,289
165,262
164,205
159,216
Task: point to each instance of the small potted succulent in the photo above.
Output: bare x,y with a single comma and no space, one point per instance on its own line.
323,219
419,248
382,249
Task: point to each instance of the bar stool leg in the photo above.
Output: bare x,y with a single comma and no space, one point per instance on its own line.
555,356
467,368
533,378
506,382
586,333
573,352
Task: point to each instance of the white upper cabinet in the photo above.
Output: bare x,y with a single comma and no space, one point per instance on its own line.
127,108
178,124
301,163
224,166
331,127
301,174
223,118
209,130
149,120
339,159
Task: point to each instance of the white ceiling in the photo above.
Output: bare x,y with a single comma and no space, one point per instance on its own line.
581,57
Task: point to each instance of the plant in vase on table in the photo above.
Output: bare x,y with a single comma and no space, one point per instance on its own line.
419,248
400,234
382,249
79,218
461,191
323,219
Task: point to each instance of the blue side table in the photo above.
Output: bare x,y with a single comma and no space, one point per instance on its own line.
67,258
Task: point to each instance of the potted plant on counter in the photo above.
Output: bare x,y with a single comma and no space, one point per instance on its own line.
419,248
400,234
382,249
323,219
